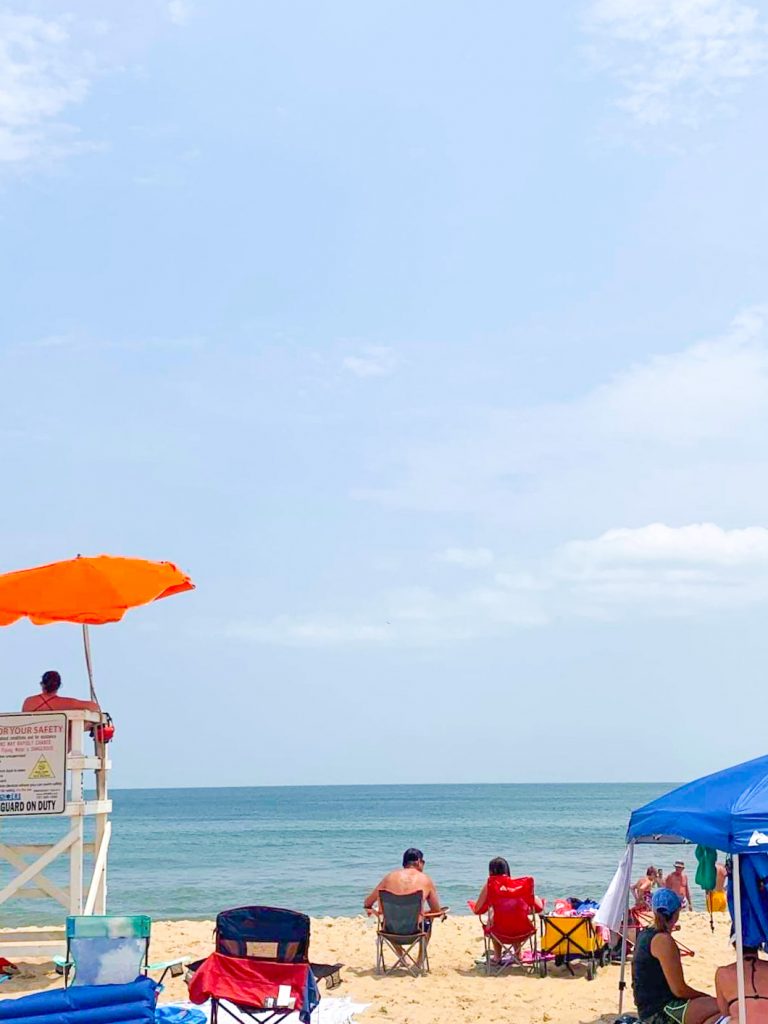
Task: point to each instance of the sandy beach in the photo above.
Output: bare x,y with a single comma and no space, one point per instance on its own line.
455,989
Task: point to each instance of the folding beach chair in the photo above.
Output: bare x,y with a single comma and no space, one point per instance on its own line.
106,950
274,934
260,969
403,928
511,921
640,918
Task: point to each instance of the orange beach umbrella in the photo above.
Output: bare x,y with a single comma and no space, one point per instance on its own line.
89,591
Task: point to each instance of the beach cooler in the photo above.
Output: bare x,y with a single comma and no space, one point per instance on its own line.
565,939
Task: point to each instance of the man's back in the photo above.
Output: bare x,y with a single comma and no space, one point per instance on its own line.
52,702
402,881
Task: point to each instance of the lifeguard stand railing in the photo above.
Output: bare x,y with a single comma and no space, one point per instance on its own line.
43,770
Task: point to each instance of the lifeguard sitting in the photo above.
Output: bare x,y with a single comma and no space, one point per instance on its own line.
49,699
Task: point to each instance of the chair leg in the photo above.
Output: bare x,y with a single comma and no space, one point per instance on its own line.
404,960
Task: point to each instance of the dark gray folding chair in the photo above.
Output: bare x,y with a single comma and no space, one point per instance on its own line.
403,929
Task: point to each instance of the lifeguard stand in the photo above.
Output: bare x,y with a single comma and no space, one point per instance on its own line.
86,892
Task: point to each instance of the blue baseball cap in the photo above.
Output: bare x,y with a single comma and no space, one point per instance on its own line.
666,902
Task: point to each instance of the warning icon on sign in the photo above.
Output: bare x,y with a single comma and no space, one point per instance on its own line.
42,770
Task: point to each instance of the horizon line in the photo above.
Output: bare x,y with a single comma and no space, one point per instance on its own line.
392,785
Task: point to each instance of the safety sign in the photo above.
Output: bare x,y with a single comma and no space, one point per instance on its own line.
33,757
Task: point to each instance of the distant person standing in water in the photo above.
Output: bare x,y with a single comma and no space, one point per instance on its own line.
677,881
49,699
643,888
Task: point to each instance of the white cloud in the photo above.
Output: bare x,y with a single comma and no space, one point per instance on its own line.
655,571
373,361
178,11
41,75
285,631
703,543
410,617
679,432
664,571
467,558
662,439
677,59
712,389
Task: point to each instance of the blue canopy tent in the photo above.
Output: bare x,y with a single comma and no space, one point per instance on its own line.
727,810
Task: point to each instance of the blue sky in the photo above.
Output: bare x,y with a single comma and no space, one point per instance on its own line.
432,341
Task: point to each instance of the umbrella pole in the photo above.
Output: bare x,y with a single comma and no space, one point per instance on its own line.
739,939
625,929
88,664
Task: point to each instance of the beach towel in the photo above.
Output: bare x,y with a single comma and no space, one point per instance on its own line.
613,904
332,1011
706,872
179,1013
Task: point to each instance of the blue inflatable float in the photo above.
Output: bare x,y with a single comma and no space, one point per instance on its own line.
86,1004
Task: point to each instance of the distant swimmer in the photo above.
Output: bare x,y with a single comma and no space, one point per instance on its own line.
49,699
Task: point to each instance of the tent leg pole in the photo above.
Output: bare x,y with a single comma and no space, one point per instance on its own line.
625,929
739,939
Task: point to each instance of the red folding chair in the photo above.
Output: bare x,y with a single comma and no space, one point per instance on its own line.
511,907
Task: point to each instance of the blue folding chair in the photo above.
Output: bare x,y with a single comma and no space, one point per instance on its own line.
107,950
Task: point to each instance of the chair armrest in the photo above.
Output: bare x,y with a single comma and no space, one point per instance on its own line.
163,964
442,912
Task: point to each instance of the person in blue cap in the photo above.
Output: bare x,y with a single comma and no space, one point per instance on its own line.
661,992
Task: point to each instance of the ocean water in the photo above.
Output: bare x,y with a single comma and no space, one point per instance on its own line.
188,853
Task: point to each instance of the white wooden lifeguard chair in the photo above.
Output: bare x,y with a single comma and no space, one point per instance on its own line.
43,772
43,777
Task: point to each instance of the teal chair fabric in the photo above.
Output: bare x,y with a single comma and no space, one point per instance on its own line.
107,950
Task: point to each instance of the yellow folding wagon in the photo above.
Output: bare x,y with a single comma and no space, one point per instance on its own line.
565,939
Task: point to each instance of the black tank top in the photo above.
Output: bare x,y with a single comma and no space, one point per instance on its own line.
649,985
